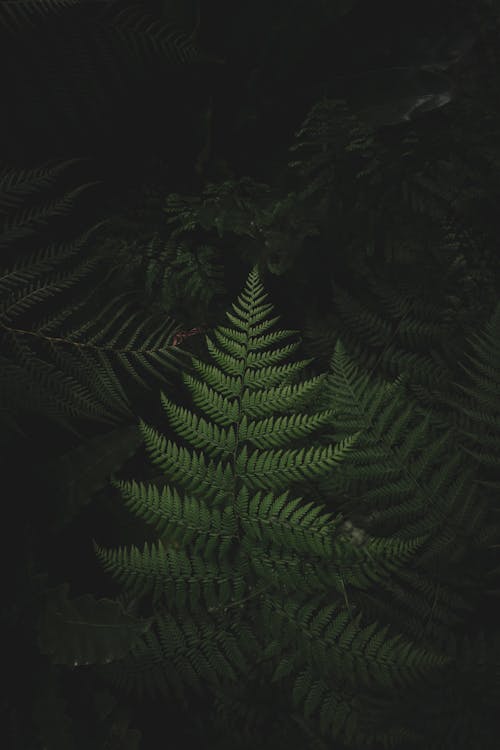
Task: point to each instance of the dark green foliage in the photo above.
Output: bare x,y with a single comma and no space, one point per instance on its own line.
22,220
387,199
403,481
405,325
273,225
247,588
229,207
63,364
150,39
479,397
186,280
302,563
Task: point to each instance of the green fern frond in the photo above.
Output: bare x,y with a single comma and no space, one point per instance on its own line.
275,432
478,398
25,222
405,476
291,524
230,206
17,184
418,605
174,578
398,346
199,432
211,501
189,653
23,298
188,279
60,357
264,469
326,140
181,519
235,547
152,40
339,644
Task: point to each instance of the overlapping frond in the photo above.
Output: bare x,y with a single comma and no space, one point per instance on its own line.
403,472
478,398
65,354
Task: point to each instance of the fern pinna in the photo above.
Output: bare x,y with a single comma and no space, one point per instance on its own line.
249,587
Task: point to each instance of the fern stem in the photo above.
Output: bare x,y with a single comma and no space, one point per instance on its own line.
77,344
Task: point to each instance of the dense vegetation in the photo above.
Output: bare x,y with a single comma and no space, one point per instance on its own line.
249,374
